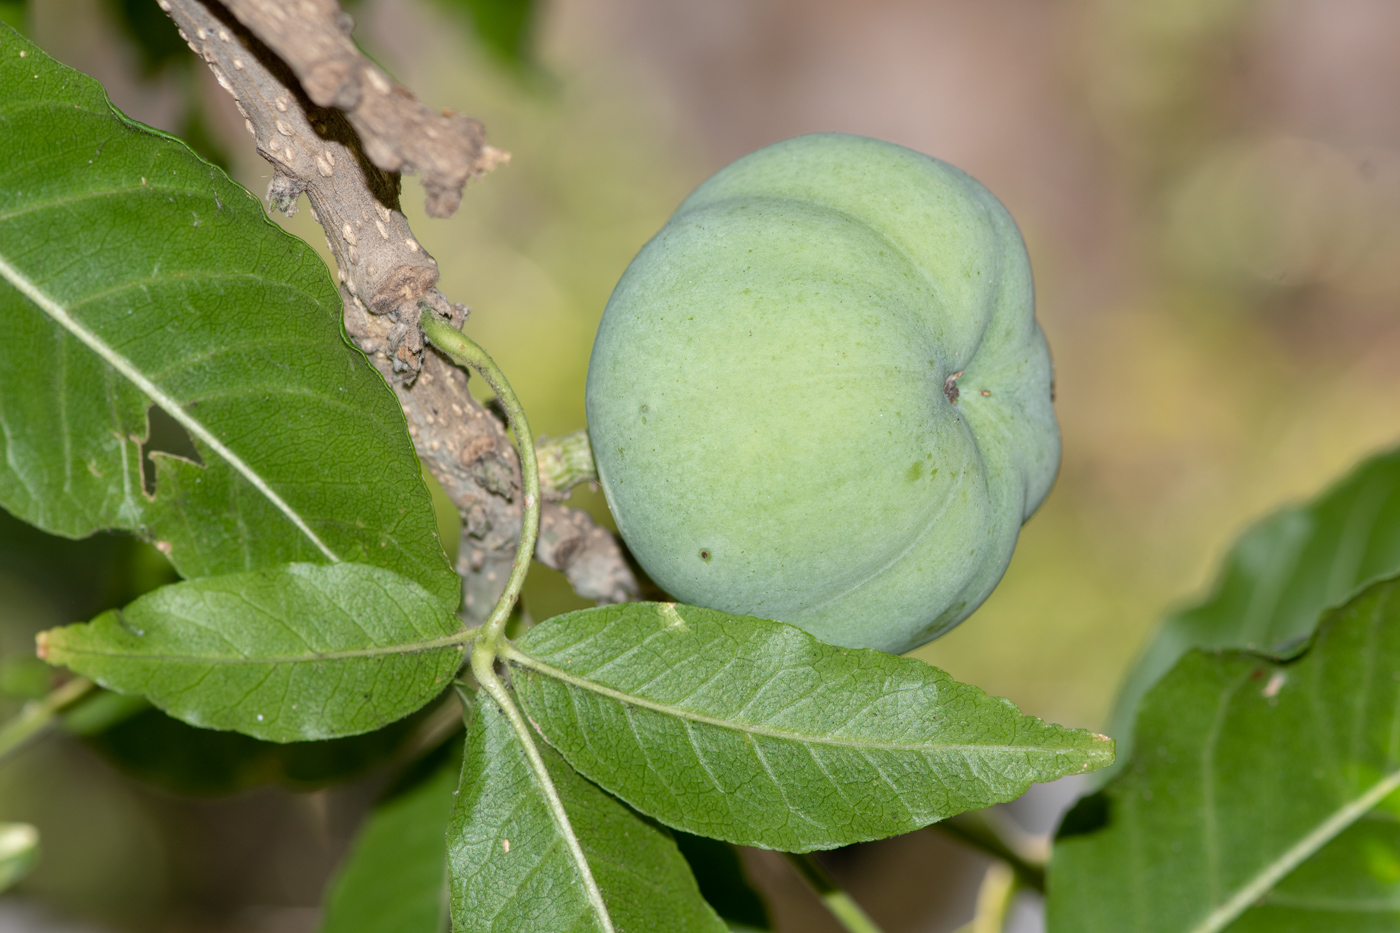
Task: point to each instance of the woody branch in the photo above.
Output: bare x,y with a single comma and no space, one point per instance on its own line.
336,128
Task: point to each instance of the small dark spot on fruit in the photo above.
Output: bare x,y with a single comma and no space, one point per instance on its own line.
950,387
985,393
705,553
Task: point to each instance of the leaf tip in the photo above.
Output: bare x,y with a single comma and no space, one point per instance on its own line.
1104,751
41,645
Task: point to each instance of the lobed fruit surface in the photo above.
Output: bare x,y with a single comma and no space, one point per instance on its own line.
819,394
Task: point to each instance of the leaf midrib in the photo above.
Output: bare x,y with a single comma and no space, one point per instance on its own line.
515,655
456,639
1274,872
1325,831
121,364
139,190
200,275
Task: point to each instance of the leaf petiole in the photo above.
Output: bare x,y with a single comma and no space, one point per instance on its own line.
466,352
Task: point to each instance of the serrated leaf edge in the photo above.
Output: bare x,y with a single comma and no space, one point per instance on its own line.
173,408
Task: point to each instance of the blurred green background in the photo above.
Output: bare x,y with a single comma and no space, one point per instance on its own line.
1210,192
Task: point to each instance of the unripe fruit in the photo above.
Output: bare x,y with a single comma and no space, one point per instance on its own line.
820,394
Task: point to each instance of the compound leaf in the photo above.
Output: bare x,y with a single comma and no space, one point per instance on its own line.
133,274
1252,802
754,732
301,651
511,865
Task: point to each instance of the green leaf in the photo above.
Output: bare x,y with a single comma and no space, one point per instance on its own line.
19,848
1279,577
395,878
1353,883
289,653
132,273
1252,786
754,732
512,867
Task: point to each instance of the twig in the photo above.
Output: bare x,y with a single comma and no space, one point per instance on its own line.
38,716
384,275
569,538
399,133
588,555
837,901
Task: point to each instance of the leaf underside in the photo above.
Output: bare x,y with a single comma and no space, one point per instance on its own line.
285,654
1251,804
133,273
754,732
511,871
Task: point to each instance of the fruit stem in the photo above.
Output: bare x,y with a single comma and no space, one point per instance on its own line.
842,906
466,352
39,715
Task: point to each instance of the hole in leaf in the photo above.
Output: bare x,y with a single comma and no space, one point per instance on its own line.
165,436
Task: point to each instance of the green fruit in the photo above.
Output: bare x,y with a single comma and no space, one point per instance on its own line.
820,394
